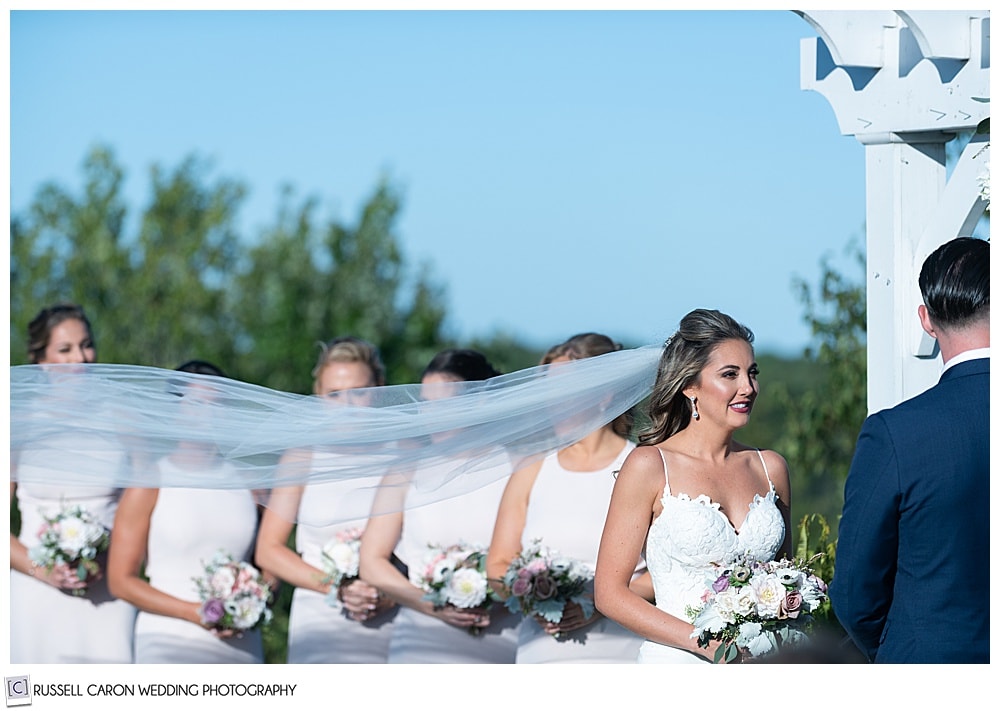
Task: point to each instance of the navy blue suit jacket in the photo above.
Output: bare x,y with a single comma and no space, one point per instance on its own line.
912,571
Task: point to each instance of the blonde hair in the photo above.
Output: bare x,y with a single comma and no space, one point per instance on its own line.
348,349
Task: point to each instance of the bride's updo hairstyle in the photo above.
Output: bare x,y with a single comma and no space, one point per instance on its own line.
685,355
348,349
462,364
588,345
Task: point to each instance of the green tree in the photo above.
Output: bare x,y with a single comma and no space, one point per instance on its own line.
304,283
155,297
822,423
183,283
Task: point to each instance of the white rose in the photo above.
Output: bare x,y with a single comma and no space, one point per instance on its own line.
73,536
727,604
343,557
467,588
245,611
769,592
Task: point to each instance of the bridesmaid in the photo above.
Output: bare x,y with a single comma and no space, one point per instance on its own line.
357,626
563,500
425,634
174,531
49,624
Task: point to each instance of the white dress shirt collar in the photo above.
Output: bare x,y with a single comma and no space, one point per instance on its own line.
967,355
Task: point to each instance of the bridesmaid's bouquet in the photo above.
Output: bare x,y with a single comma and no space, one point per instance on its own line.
757,607
456,575
341,557
540,581
233,595
73,537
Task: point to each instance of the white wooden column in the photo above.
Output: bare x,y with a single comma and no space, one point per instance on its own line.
905,179
903,83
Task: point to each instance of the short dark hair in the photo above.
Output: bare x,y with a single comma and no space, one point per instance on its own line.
463,364
175,386
200,367
955,282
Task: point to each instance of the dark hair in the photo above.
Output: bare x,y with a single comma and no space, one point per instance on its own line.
40,328
955,282
685,355
348,349
175,386
461,363
201,367
588,345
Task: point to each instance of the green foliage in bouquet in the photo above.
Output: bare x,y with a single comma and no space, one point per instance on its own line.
816,546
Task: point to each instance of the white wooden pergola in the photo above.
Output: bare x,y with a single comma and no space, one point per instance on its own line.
903,84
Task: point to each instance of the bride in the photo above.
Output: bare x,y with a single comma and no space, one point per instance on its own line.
693,495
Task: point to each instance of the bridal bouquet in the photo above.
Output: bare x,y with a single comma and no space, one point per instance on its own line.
540,581
341,555
759,607
233,594
456,575
73,537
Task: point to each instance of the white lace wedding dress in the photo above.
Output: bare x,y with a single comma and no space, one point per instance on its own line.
686,538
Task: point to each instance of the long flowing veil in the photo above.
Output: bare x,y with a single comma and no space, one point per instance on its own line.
69,421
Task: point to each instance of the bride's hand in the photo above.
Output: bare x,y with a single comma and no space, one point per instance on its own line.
713,646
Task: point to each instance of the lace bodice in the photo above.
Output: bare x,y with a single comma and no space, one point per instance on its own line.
690,534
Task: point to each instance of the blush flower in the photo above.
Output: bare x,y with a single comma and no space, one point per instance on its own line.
790,606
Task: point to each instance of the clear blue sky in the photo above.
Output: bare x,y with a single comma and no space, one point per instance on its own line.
561,171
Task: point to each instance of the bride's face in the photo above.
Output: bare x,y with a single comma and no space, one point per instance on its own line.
337,377
727,386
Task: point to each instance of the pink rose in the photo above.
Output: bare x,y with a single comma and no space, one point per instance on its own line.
521,587
790,606
537,566
244,578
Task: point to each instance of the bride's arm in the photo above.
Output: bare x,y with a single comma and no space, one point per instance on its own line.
637,489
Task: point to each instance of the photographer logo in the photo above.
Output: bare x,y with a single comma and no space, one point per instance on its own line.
18,690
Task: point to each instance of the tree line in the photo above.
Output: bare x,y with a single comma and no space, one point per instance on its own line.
180,281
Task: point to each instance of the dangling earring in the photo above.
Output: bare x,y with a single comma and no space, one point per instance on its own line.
694,409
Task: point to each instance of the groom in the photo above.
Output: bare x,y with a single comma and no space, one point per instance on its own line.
911,582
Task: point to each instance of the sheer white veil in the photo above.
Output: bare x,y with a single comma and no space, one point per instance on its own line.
68,421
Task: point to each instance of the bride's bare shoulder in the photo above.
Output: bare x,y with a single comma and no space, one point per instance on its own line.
644,461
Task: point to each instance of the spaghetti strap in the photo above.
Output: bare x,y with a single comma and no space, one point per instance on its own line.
666,480
765,468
